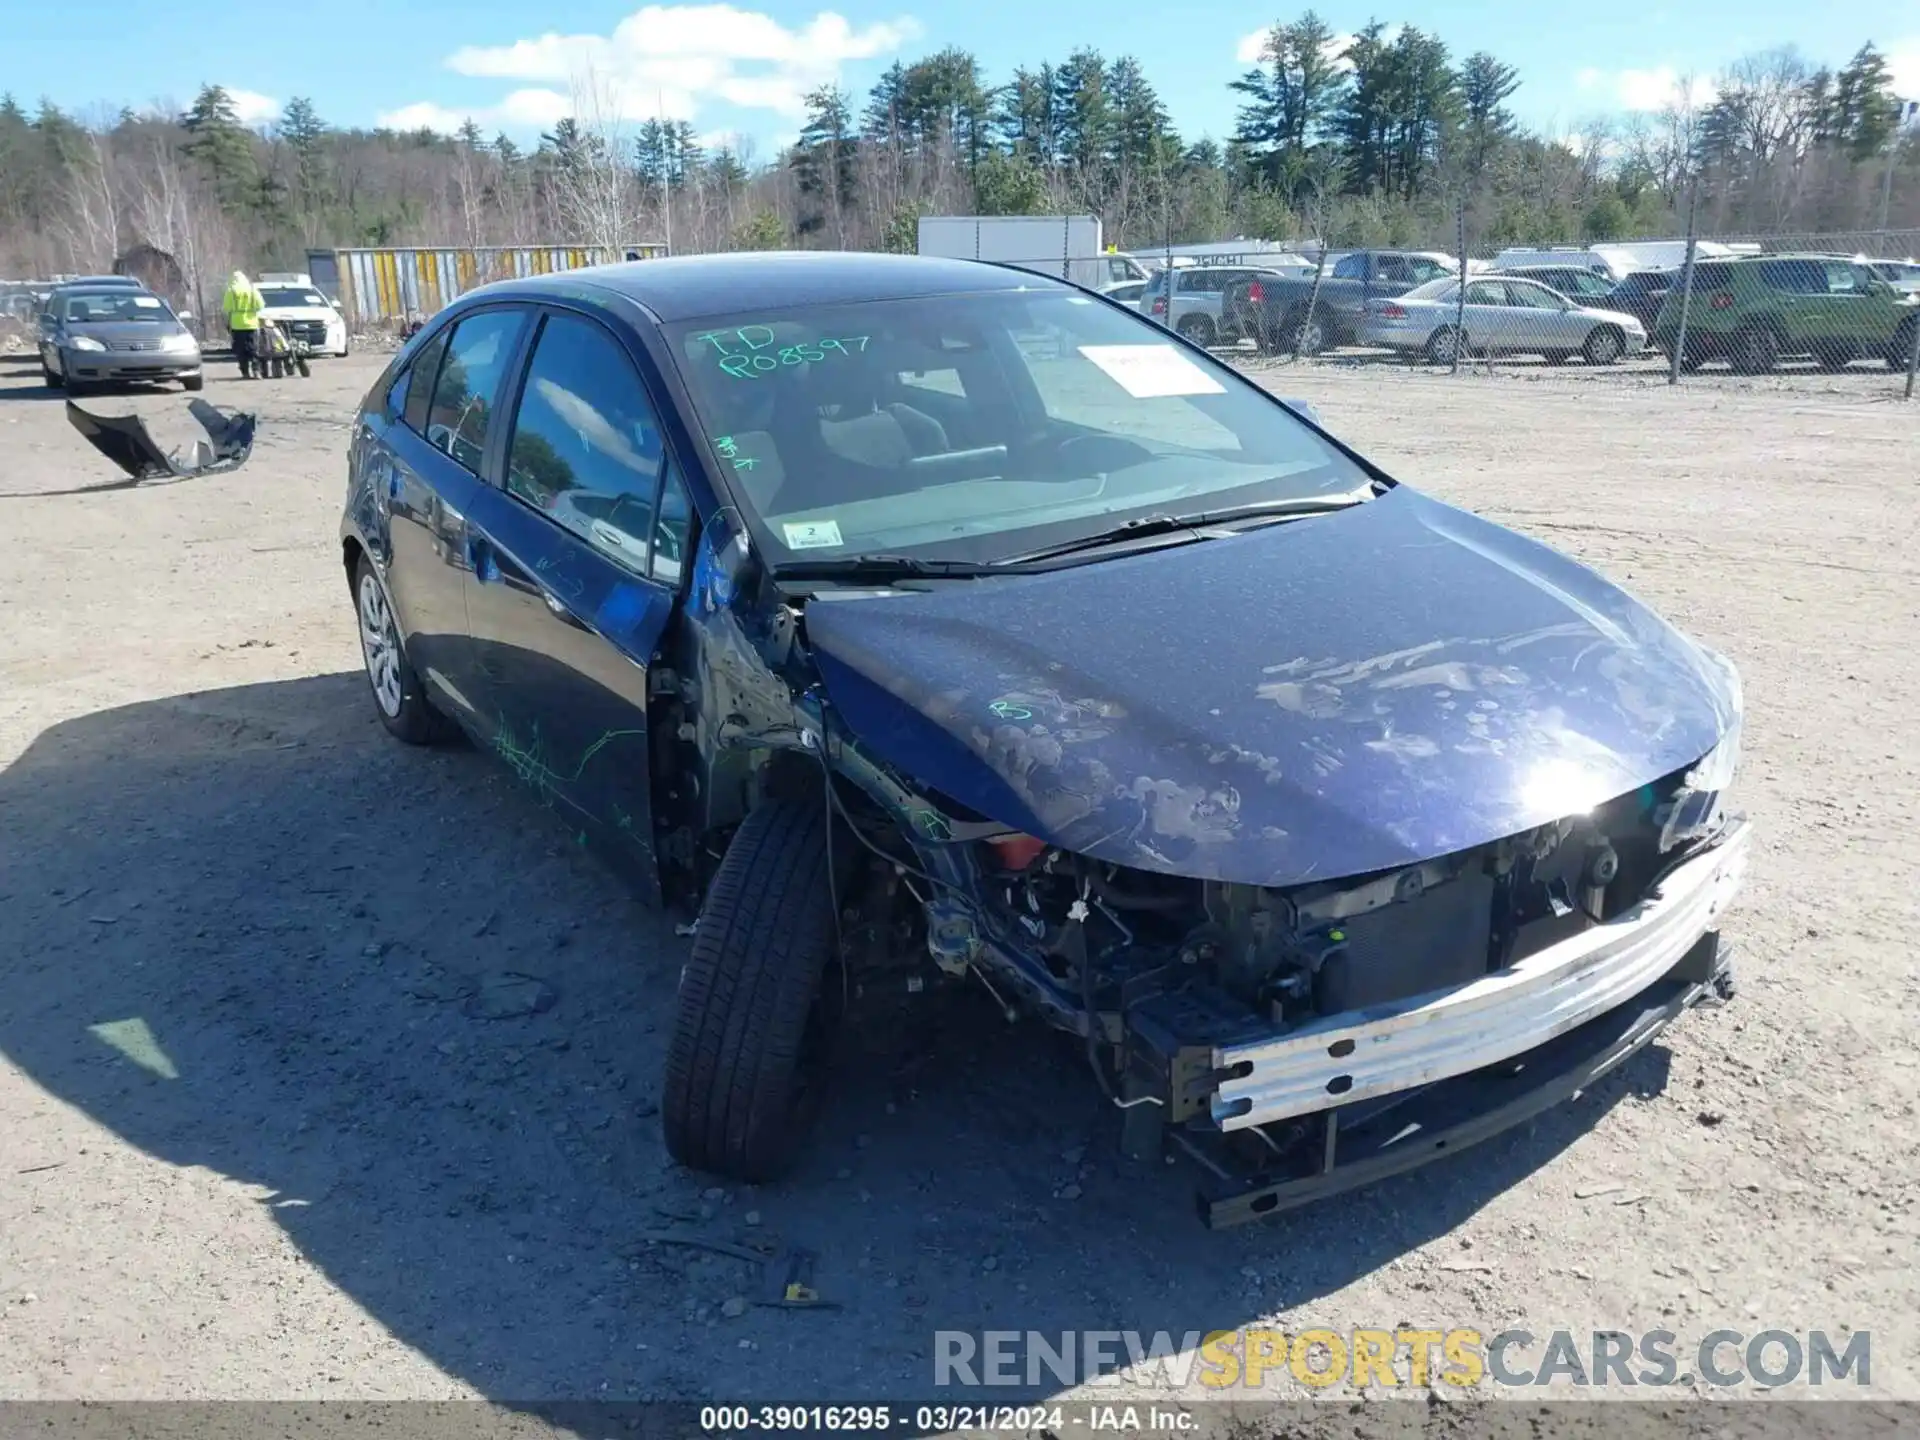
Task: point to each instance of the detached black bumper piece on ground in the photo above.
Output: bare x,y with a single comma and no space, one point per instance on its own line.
124,440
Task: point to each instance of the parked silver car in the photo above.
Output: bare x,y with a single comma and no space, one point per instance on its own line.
1198,293
90,337
1504,316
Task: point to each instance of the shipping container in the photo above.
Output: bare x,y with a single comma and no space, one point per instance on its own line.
1064,245
386,286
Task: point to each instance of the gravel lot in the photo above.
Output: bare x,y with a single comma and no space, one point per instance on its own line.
258,1138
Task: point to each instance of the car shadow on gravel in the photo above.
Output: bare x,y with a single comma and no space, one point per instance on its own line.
261,938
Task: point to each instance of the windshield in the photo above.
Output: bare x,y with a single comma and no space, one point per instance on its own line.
1432,290
282,297
977,427
115,305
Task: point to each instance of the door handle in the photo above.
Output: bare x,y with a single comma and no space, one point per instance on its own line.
560,610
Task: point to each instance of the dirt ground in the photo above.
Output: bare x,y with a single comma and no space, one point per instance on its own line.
260,1138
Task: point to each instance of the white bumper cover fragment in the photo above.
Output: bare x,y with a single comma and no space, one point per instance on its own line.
1339,1059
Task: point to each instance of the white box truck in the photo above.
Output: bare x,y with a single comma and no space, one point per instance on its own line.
1067,246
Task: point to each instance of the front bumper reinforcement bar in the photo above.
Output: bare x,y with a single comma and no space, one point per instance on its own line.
1407,1044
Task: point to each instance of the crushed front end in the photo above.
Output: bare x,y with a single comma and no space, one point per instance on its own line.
1301,1041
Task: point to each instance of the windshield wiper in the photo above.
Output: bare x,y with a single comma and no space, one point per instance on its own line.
1146,526
882,568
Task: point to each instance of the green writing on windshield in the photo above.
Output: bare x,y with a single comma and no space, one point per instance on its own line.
748,351
729,449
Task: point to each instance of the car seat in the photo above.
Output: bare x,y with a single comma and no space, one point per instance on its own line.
830,423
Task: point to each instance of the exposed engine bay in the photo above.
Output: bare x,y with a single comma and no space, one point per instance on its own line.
1161,974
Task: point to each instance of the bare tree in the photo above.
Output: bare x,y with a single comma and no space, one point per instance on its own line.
89,214
593,179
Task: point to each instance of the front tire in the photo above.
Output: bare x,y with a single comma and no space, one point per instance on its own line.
1901,351
1604,346
193,382
399,698
746,1065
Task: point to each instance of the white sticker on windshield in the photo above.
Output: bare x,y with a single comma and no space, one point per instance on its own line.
1147,372
146,302
813,535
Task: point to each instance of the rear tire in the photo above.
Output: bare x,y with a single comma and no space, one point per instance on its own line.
399,698
1301,335
1444,346
746,1065
1198,329
1604,346
1755,350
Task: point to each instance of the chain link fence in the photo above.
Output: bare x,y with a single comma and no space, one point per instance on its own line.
1688,309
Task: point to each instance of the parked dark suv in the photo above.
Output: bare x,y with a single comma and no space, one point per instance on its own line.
1751,311
1641,294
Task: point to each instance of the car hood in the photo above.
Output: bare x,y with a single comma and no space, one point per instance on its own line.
111,332
1316,699
301,312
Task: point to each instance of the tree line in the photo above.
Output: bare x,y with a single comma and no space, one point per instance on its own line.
1384,137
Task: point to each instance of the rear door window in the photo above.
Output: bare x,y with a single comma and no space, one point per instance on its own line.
418,382
1794,277
468,385
1530,297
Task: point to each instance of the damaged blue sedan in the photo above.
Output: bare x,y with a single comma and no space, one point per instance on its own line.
921,623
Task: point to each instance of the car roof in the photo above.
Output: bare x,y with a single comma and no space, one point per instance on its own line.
690,287
95,282
64,292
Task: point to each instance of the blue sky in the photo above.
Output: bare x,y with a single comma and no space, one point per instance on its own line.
740,69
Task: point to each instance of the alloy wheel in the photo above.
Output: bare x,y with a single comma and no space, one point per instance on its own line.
380,646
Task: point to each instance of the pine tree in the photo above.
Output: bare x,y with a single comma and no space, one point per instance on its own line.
222,146
1485,85
823,161
1291,97
305,134
1864,109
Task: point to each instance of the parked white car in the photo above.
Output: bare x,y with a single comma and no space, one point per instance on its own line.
296,304
1504,316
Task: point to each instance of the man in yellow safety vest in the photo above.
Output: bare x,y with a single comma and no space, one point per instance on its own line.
243,304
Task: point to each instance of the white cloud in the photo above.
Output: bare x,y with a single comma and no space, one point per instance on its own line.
1653,89
663,60
252,108
1252,47
424,115
1903,67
